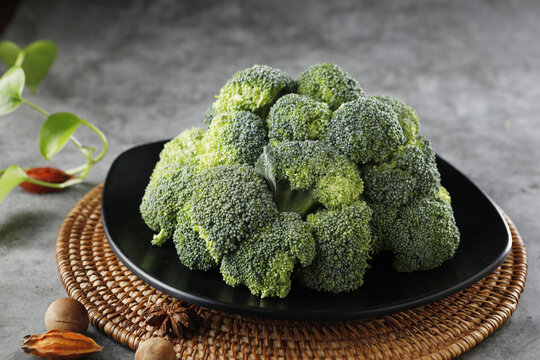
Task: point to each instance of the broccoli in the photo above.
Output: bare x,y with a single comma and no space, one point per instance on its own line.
410,171
329,83
312,165
343,246
229,204
366,130
297,117
233,138
301,179
265,262
254,89
382,222
424,234
169,184
191,248
407,117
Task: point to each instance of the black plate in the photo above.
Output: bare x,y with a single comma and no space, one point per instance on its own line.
485,243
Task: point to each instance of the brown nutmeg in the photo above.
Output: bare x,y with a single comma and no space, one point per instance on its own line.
155,349
67,314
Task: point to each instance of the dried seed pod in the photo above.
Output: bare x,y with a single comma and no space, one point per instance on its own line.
57,344
155,349
67,314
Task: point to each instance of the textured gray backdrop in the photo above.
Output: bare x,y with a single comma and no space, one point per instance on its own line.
145,70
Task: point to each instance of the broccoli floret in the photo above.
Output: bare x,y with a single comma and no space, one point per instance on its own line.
169,184
297,117
343,244
209,116
312,165
233,138
191,248
265,262
229,204
407,117
425,233
254,89
366,131
382,222
329,83
410,171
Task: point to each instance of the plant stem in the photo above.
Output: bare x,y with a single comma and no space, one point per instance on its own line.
63,185
103,139
20,58
35,107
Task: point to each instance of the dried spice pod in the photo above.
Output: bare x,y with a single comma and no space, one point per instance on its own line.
173,319
57,344
46,174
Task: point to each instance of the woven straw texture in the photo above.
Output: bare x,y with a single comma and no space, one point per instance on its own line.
115,299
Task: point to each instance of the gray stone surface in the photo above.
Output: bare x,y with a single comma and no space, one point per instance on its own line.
143,71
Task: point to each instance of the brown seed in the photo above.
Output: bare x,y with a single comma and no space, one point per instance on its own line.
67,314
155,349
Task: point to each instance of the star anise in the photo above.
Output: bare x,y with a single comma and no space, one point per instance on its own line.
172,319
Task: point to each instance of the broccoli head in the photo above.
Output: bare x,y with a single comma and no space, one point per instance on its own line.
410,171
190,246
265,262
333,179
424,234
168,188
233,138
366,131
382,223
254,89
407,117
229,204
297,117
329,83
343,245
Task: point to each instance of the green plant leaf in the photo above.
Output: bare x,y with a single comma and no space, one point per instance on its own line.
11,87
13,176
38,59
56,132
9,52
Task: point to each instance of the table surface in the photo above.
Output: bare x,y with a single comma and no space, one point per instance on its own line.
144,70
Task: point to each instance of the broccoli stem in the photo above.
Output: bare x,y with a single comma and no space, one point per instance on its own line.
298,201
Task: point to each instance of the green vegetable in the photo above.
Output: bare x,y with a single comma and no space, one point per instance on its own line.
425,233
407,117
29,66
314,166
190,246
229,204
297,117
233,138
254,89
343,249
408,172
366,130
170,184
265,261
280,187
329,83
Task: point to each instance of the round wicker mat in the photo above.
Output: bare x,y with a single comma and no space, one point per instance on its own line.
115,299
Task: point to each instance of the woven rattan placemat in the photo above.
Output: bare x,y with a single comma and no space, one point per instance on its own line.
115,299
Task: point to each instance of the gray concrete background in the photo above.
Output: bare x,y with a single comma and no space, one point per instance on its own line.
143,71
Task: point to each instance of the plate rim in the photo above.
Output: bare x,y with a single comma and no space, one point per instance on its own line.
299,315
